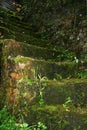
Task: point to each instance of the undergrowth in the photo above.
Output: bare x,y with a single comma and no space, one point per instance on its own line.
9,122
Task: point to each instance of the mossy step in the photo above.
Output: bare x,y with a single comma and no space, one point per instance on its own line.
11,24
57,92
54,70
18,48
51,70
14,48
58,118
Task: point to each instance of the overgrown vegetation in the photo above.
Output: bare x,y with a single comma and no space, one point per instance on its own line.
9,122
52,24
47,97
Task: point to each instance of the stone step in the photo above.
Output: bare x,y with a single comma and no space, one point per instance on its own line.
58,118
51,70
58,92
17,48
13,27
33,75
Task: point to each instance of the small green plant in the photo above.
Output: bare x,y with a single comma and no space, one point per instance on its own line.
58,77
66,105
82,75
66,55
42,86
39,126
39,81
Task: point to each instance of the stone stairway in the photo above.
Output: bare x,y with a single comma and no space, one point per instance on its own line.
35,85
38,81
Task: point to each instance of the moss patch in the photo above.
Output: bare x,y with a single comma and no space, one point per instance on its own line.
56,117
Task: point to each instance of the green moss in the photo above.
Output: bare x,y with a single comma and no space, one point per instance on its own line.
58,118
51,108
21,59
66,81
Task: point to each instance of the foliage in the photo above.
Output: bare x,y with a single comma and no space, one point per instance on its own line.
42,86
82,75
39,126
51,24
8,122
39,82
57,77
67,103
66,55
